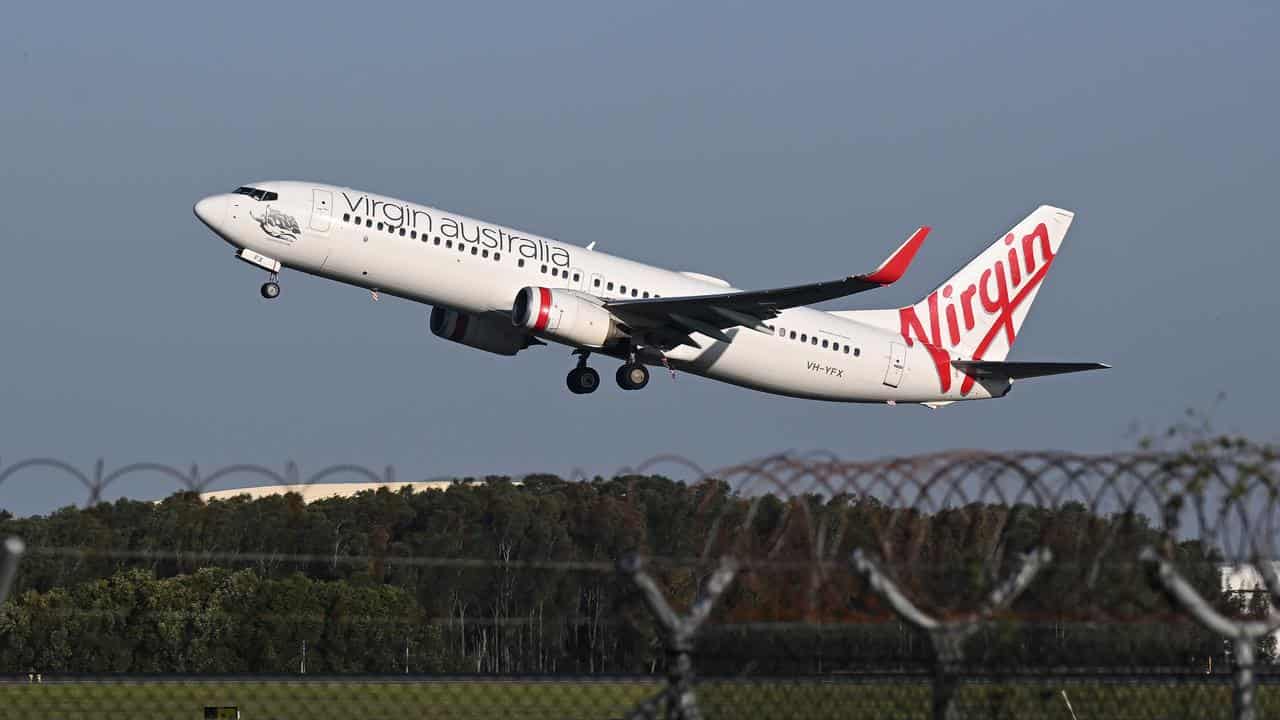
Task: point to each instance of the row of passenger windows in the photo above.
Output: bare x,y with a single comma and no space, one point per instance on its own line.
596,282
623,289
484,252
815,340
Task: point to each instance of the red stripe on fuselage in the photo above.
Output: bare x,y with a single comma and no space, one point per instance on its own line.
544,309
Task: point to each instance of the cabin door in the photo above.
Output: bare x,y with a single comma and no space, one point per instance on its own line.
321,209
897,364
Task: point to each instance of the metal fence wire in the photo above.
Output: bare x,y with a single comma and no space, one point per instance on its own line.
951,585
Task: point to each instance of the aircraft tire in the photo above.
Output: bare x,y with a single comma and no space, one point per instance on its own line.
583,380
632,376
270,290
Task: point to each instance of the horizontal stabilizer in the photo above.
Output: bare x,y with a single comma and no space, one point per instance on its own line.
1019,370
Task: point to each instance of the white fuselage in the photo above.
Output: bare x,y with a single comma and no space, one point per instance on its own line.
444,259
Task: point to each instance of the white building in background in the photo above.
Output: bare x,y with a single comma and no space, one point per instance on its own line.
1242,579
321,491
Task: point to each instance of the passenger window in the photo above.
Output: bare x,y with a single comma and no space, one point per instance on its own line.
401,232
448,244
576,276
622,289
646,293
544,269
379,226
596,282
804,337
814,340
520,262
856,352
846,349
824,344
358,221
346,217
368,222
437,239
484,254
634,292
474,250
610,287
461,248
793,334
413,234
497,256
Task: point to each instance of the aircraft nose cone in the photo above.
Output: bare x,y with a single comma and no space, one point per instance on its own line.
211,210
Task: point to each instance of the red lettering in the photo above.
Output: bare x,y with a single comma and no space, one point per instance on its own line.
910,325
966,303
993,290
935,332
1028,250
1015,274
1000,303
1007,317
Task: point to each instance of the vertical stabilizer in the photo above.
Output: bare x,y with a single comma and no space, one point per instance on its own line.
977,313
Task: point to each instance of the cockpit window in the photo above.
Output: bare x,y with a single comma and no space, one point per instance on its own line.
256,194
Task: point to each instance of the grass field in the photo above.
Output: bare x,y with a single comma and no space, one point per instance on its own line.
596,700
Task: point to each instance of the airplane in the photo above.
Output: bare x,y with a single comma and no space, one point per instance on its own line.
502,290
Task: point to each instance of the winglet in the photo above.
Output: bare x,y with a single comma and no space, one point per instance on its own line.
892,269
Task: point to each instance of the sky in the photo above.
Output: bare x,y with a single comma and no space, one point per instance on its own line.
768,145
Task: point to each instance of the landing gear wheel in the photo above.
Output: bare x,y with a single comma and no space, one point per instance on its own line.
583,380
270,290
633,376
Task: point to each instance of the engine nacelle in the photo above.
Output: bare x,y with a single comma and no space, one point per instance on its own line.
481,332
566,316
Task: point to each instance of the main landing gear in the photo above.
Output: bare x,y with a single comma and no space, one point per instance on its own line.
582,379
632,376
271,289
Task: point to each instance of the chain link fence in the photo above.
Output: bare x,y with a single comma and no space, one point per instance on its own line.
952,585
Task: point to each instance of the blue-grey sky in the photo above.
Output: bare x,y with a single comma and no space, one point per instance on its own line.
766,145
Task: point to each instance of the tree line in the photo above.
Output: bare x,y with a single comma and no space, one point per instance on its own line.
493,576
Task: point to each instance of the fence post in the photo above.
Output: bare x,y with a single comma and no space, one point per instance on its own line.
1243,634
11,551
678,635
948,637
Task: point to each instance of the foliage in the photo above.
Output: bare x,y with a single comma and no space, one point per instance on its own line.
501,577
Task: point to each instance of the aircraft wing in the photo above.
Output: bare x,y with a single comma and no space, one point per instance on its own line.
1020,370
712,314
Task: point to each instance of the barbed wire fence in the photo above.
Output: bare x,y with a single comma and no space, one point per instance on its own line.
950,585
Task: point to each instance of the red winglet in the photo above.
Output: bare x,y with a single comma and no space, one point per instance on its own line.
893,268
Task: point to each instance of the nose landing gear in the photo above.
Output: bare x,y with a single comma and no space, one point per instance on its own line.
270,289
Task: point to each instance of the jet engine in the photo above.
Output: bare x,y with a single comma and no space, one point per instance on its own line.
567,316
484,332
